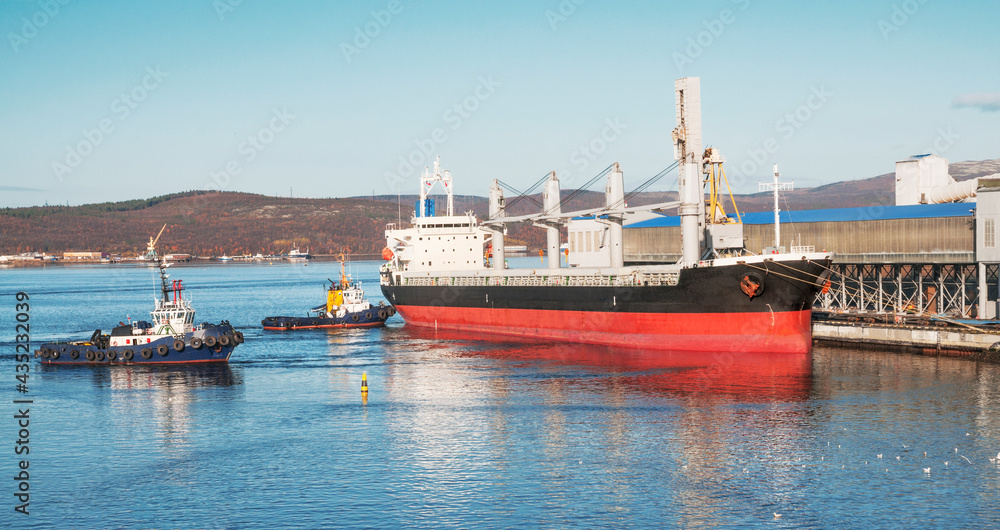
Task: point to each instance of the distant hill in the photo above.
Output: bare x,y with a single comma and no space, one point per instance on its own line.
215,223
202,223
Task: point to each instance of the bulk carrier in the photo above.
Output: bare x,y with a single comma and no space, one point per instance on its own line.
718,297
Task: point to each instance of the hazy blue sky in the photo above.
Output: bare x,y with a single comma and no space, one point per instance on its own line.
118,100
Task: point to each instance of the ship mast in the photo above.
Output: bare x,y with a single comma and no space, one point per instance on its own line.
427,182
497,211
776,186
688,151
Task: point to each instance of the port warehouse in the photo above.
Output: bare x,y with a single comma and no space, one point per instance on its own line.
922,258
85,255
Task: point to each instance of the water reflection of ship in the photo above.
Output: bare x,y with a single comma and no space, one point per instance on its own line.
166,377
710,426
158,376
744,377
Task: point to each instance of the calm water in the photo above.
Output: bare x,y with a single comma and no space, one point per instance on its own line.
463,433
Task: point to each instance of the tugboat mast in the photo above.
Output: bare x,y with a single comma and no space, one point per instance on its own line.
160,262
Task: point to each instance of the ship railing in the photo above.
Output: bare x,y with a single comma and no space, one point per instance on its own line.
660,278
803,249
568,280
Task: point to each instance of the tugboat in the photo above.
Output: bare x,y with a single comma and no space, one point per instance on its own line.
345,307
171,337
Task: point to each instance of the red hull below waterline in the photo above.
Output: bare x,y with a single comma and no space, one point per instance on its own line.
766,332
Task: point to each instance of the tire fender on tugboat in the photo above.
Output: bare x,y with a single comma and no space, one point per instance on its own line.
178,345
196,343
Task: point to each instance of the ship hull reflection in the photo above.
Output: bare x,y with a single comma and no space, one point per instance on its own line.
753,377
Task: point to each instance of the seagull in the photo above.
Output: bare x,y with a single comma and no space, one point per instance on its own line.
956,450
927,470
905,446
945,463
777,515
897,457
966,459
880,456
967,434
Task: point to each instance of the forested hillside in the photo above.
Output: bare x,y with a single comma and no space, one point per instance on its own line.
202,223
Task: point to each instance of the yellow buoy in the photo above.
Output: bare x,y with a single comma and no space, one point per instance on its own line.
364,383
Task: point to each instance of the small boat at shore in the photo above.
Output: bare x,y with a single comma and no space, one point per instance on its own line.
171,337
345,307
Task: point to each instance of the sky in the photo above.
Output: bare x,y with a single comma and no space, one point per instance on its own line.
118,100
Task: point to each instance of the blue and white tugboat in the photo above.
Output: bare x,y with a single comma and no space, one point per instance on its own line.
345,307
171,337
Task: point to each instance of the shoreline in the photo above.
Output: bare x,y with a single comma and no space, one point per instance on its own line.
27,263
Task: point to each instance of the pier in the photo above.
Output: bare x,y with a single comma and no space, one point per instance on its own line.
902,275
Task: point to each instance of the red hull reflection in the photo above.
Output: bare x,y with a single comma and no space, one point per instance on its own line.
752,377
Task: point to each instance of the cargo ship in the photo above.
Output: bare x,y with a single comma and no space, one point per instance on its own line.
449,272
171,338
